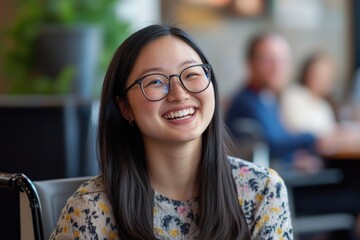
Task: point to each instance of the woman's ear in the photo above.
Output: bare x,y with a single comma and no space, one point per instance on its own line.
125,109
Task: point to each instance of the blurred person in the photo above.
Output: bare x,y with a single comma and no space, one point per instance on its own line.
307,106
166,170
268,61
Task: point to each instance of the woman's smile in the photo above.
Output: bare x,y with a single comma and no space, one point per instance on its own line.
180,114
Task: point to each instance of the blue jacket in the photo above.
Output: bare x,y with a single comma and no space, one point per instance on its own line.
249,104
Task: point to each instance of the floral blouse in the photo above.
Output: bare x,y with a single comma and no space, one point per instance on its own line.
261,193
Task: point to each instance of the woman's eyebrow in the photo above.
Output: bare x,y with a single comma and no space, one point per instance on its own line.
187,62
161,70
147,70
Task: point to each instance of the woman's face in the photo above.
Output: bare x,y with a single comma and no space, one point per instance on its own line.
320,79
156,120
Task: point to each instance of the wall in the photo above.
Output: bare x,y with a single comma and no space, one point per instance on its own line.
224,37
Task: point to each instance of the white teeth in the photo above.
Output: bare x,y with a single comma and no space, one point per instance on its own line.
180,114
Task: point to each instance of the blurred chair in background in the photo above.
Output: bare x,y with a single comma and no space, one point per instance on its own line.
314,223
251,142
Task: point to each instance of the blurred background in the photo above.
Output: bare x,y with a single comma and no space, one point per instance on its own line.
53,56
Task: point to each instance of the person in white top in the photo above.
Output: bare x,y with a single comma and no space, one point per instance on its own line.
305,106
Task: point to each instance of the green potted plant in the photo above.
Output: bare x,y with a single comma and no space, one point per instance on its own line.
53,46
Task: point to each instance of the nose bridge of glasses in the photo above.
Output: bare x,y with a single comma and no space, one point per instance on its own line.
174,75
178,77
176,90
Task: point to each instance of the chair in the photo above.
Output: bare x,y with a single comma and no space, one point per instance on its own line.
53,195
251,141
46,198
316,223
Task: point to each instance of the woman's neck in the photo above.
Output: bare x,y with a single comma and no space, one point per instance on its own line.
173,168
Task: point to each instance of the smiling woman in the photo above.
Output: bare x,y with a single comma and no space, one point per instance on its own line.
166,170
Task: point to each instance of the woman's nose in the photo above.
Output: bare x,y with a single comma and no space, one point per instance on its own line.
177,91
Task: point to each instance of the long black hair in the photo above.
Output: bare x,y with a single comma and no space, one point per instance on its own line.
123,160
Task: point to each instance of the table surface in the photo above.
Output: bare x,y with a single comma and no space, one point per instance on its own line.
353,154
344,144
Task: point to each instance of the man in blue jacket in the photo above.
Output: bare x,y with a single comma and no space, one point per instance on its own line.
268,59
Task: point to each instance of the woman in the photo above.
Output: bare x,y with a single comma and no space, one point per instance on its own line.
305,106
165,166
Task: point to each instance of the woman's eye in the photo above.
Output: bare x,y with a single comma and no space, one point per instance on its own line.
191,75
154,82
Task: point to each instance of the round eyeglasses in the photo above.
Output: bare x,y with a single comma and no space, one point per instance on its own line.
156,86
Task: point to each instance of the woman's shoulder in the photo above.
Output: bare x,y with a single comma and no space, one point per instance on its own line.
89,196
263,197
247,169
252,179
92,186
85,213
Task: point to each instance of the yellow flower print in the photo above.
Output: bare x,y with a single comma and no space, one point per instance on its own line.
76,234
259,198
77,212
159,231
262,221
83,190
104,207
155,210
65,229
273,172
275,210
174,233
112,235
279,231
67,217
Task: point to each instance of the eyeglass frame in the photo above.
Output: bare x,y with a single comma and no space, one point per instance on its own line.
139,81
